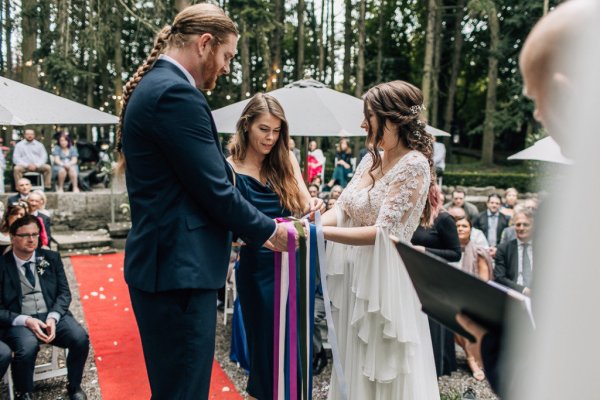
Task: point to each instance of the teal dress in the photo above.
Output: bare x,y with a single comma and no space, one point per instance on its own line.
256,285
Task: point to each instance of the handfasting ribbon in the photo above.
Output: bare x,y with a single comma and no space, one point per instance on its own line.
330,328
303,296
276,323
293,313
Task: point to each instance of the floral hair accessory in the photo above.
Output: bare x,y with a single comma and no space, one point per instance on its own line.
417,109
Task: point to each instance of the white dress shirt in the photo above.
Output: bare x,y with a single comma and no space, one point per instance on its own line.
27,152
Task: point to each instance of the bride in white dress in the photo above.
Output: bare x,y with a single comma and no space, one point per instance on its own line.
382,334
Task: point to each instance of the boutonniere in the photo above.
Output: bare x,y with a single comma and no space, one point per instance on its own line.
40,265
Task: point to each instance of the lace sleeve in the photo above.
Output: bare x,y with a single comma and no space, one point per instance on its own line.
405,197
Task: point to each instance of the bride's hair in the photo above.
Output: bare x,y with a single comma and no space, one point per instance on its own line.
401,104
276,168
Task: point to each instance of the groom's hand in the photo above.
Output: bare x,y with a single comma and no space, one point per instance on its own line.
279,241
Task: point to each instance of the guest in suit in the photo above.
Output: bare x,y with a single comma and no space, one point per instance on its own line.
23,190
492,222
183,203
458,200
36,202
5,358
34,308
514,259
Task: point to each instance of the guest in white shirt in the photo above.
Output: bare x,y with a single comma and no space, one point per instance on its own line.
30,155
514,259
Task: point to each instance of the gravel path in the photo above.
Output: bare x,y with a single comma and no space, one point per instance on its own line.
451,387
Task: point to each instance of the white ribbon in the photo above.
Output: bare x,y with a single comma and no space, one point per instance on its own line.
330,328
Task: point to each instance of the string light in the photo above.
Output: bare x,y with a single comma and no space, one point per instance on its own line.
247,94
228,97
209,93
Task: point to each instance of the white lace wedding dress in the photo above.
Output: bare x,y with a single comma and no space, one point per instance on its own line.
383,335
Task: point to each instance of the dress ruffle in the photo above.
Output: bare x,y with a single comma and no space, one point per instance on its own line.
383,336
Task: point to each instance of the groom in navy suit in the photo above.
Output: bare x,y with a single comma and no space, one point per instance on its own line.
183,203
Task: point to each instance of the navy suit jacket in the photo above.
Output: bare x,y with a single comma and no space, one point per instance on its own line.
183,204
506,269
54,284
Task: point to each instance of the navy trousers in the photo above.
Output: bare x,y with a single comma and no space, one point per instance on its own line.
177,329
5,358
69,335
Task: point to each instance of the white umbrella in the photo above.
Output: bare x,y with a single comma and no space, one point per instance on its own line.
312,109
545,149
24,105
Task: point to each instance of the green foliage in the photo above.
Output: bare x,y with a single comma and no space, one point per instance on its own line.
522,181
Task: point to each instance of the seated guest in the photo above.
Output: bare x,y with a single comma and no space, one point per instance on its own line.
42,209
458,200
476,261
477,237
12,214
440,239
491,222
23,189
35,201
330,203
313,190
34,308
335,192
510,201
65,163
5,358
31,156
315,161
514,259
343,167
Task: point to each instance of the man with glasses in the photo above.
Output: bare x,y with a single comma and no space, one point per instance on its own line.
34,309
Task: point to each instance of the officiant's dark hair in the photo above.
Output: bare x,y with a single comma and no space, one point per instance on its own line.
23,221
197,19
277,166
401,104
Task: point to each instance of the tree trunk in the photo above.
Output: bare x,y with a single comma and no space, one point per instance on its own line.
276,41
360,62
181,4
435,73
487,151
300,55
63,28
332,42
118,81
379,67
8,24
321,70
29,44
458,43
244,59
347,46
432,10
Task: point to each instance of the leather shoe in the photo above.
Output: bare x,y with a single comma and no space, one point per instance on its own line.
24,396
77,395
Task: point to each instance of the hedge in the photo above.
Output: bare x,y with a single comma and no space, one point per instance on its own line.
523,182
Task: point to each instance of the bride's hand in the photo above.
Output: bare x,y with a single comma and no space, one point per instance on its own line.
315,204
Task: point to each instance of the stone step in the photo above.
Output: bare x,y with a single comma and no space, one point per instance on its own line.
75,240
119,229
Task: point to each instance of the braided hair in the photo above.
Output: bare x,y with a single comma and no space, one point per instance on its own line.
194,20
401,104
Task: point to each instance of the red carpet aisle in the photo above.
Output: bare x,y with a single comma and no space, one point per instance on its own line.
114,334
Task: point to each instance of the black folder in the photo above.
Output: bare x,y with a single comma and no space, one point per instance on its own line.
445,291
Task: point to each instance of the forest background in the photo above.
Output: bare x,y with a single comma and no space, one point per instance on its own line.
462,53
